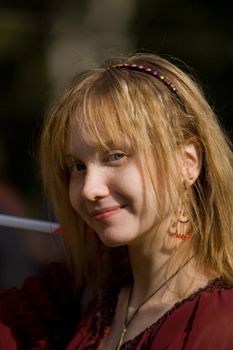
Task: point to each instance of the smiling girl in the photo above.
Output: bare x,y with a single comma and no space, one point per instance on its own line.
140,177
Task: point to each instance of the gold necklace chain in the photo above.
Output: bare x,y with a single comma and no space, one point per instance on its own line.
128,321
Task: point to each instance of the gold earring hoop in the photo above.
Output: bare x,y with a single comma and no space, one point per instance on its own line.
191,179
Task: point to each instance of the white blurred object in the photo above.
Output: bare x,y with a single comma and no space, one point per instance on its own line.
28,224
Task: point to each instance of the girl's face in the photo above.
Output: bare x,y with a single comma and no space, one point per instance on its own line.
111,191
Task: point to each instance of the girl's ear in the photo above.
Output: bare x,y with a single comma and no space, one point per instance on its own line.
190,162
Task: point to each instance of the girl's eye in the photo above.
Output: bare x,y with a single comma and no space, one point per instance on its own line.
116,156
77,166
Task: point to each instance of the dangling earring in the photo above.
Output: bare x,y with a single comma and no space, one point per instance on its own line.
180,226
179,229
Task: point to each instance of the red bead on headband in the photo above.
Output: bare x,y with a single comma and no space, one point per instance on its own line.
147,70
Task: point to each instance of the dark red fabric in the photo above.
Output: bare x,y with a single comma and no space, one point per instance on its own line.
44,315
204,321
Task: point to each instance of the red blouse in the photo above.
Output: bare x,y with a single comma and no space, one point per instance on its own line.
44,315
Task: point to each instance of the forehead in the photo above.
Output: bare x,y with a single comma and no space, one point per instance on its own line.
77,138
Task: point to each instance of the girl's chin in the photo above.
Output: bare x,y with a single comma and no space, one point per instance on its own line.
114,240
112,243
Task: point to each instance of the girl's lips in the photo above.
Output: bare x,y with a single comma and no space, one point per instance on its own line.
106,213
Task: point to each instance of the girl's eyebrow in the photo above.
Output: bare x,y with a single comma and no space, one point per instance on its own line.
99,147
119,143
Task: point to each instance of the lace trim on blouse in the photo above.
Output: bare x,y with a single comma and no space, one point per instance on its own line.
106,312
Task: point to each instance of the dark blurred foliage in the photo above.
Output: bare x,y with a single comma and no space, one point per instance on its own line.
199,33
23,91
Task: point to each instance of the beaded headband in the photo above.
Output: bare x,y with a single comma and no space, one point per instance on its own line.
147,70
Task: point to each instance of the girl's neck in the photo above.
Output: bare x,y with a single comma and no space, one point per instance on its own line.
148,259
151,267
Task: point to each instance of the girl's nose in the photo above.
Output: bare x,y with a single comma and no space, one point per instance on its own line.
95,185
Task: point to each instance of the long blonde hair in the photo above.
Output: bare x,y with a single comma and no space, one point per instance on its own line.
142,109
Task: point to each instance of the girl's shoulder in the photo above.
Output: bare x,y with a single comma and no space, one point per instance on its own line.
43,313
213,323
201,321
214,299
